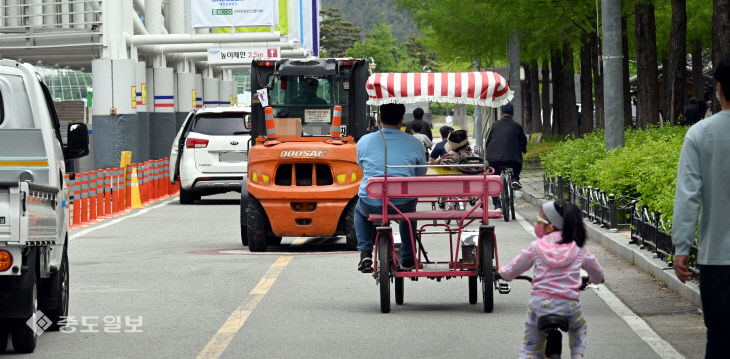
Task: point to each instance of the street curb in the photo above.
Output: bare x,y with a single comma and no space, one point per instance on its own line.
644,260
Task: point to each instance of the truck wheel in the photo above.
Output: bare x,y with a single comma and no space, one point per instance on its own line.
350,236
257,223
59,288
244,228
187,197
24,338
3,336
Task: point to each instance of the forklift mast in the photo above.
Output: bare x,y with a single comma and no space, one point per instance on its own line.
309,89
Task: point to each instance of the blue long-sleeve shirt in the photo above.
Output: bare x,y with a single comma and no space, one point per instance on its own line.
702,188
403,149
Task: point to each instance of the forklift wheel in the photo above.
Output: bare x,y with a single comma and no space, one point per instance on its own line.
257,223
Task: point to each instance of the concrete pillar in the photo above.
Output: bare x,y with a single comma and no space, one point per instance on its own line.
65,14
49,15
115,124
185,99
143,111
198,90
224,93
162,120
12,12
78,15
210,92
35,17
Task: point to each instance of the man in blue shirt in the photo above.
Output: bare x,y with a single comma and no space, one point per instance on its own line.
703,191
403,149
439,150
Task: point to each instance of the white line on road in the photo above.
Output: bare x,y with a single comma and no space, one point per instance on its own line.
119,219
638,325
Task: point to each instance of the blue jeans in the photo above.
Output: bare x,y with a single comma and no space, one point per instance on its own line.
366,231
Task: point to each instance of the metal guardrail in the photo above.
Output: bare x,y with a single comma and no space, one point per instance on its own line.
648,229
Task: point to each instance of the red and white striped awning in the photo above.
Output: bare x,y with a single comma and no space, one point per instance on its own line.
484,88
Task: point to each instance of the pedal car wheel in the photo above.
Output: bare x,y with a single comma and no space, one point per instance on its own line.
486,252
399,290
473,290
384,263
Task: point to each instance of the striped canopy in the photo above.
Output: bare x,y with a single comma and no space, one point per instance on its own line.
484,88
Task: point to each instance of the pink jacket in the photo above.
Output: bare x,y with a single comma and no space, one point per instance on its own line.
557,267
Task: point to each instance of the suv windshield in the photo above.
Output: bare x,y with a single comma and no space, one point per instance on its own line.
220,124
311,99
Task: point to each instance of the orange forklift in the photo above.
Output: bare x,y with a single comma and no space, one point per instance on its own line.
303,176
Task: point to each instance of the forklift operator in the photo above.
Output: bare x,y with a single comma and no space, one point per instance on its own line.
308,93
403,149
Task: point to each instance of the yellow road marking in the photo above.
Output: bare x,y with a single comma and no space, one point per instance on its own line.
235,321
299,240
23,163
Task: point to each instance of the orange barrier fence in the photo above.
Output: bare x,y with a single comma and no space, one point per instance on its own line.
107,193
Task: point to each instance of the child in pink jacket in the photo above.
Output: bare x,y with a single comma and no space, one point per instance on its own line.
558,256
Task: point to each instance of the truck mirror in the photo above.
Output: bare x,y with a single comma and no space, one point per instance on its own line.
247,121
78,141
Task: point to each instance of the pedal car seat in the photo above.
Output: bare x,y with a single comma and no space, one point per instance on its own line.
553,321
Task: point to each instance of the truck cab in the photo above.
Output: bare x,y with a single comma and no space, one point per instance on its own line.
33,205
305,185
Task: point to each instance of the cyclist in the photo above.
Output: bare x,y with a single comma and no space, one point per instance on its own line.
506,143
558,255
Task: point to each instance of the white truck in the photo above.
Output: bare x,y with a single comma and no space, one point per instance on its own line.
34,207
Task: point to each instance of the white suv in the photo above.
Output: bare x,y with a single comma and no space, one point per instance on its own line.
210,152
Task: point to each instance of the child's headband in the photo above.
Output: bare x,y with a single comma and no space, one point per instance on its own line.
552,214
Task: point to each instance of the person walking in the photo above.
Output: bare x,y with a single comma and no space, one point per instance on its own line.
702,191
426,128
506,143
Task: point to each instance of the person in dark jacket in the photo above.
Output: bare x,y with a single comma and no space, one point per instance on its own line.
691,113
506,143
426,127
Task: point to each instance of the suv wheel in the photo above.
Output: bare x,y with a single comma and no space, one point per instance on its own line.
187,197
257,226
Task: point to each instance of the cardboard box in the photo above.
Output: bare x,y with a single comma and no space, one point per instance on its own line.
288,127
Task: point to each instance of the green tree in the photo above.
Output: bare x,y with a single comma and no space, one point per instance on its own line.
389,54
418,50
337,34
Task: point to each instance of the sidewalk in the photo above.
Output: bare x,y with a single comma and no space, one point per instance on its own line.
617,243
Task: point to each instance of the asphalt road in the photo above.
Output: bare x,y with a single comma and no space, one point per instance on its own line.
182,269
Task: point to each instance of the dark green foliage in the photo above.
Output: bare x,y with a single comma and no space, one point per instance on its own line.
645,168
364,13
337,34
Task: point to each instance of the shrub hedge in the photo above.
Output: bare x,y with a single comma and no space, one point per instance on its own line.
645,168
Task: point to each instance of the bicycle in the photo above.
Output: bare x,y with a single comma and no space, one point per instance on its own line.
507,196
551,324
